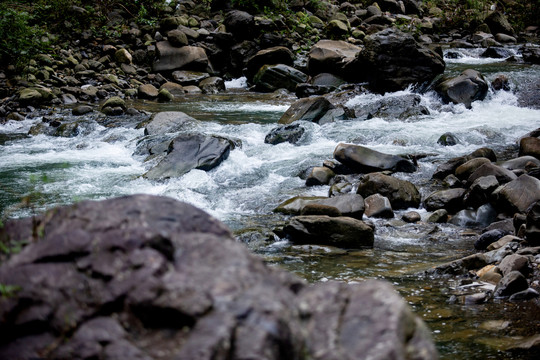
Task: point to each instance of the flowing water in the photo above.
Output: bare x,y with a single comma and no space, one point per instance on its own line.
41,171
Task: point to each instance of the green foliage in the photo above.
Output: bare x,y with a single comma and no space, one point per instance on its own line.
8,291
19,40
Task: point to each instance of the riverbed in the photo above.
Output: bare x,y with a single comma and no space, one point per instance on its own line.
39,172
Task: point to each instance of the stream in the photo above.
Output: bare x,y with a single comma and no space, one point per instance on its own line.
39,172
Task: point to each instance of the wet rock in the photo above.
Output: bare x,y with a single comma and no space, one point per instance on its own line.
392,107
531,55
350,205
173,58
212,85
515,262
488,238
527,345
480,191
287,133
330,56
401,193
518,195
465,170
308,109
173,88
393,60
319,175
270,56
35,96
439,216
465,88
529,146
318,209
167,122
527,294
186,78
510,284
502,242
460,266
501,82
364,160
450,200
448,139
164,95
272,77
490,274
411,217
449,167
521,163
324,230
378,206
496,53
191,151
114,102
502,175
148,91
82,110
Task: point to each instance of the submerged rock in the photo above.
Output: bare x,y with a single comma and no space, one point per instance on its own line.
159,276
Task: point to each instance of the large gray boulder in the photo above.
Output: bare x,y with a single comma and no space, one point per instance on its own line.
310,109
339,231
191,151
330,56
394,107
518,195
365,160
450,199
465,88
173,58
146,277
401,193
392,60
498,23
270,56
167,122
272,77
240,23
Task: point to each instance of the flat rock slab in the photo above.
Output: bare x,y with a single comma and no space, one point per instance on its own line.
147,277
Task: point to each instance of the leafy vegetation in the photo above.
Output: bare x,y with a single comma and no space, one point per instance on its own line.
8,291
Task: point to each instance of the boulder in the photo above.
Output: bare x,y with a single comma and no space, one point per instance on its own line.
270,56
191,151
336,29
378,206
81,110
448,139
518,195
142,276
411,217
114,102
521,163
439,216
480,191
365,160
451,200
341,231
465,170
318,209
212,85
529,146
173,88
498,23
167,122
171,58
531,55
269,78
147,91
401,193
350,205
319,175
286,133
393,60
488,238
510,284
308,109
449,167
532,227
465,88
515,262
330,56
240,23
123,56
503,175
186,78
393,107
177,38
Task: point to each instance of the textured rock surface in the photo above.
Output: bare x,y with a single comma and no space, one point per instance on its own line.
365,160
401,193
145,277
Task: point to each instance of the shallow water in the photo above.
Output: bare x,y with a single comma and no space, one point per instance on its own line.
243,191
